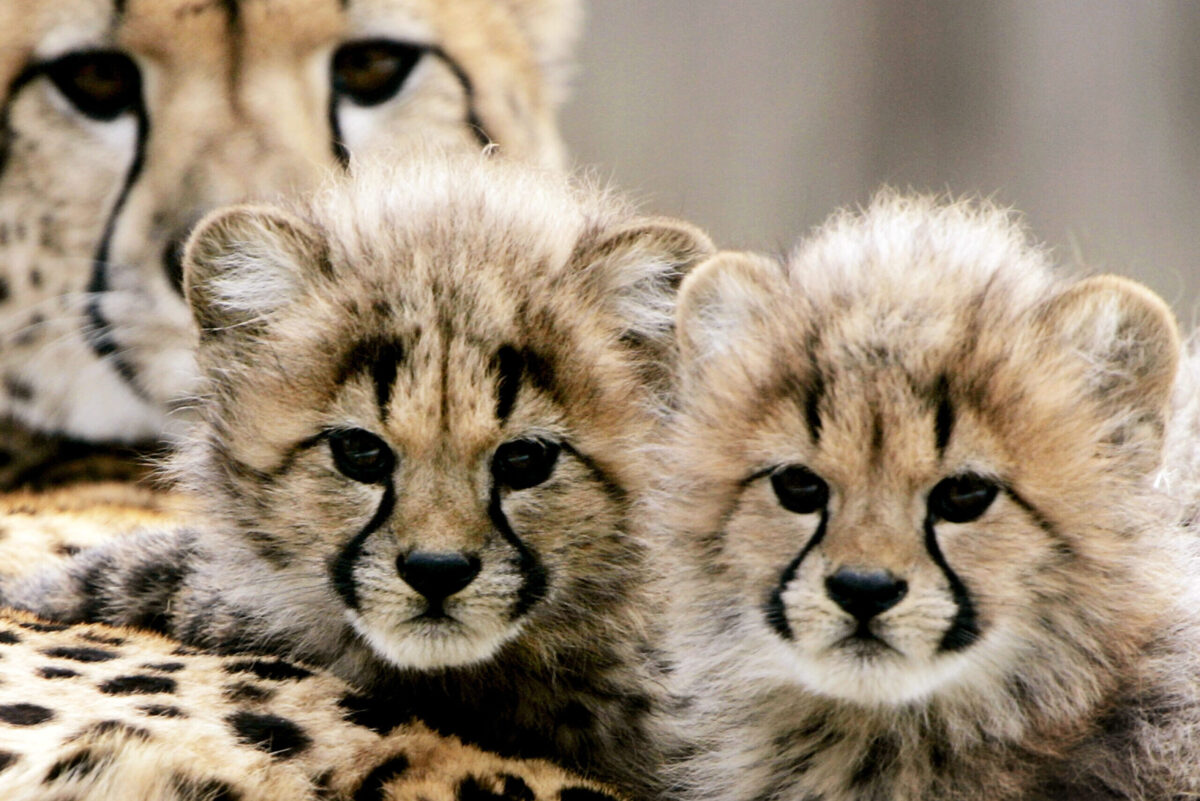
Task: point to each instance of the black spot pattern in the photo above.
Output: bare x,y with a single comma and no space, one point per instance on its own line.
25,714
273,670
166,667
138,685
7,758
57,673
75,766
245,691
81,654
111,726
377,714
376,781
163,711
45,627
102,639
9,638
188,789
279,737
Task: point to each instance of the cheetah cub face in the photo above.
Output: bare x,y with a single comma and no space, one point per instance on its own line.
425,395
902,448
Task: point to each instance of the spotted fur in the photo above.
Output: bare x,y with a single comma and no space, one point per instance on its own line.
122,122
925,558
464,319
93,713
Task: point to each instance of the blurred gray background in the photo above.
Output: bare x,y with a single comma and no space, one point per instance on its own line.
758,118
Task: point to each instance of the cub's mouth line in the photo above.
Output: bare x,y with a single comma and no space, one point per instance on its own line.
864,642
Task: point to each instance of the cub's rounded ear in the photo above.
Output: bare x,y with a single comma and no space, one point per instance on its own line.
243,262
636,269
724,297
1129,341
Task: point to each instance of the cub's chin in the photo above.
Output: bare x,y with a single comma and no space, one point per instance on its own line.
430,642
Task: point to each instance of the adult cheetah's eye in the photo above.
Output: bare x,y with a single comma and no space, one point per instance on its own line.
361,455
524,463
961,499
373,70
103,84
799,489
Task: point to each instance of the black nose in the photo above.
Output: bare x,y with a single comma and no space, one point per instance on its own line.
437,575
865,594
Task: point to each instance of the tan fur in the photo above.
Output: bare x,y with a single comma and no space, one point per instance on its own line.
237,107
1042,646
450,311
174,739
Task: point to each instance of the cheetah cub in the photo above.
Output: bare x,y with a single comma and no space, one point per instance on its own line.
427,394
924,557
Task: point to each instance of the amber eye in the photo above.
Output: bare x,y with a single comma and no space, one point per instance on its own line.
961,499
361,455
372,71
799,489
524,463
103,84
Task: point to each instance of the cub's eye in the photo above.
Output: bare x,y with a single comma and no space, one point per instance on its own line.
525,463
361,455
799,489
102,84
961,499
372,71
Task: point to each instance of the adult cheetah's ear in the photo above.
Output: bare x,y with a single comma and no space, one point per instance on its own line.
1129,341
722,302
244,262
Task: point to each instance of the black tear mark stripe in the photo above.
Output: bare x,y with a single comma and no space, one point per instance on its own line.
964,628
773,609
534,579
341,153
97,329
342,570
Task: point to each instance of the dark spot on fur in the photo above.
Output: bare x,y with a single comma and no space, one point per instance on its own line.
57,673
380,715
273,670
75,766
879,758
115,726
279,737
166,667
162,711
4,289
102,639
376,781
138,685
81,654
188,789
17,389
35,278
943,422
583,794
516,788
44,627
245,691
67,550
9,638
575,715
25,714
7,758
